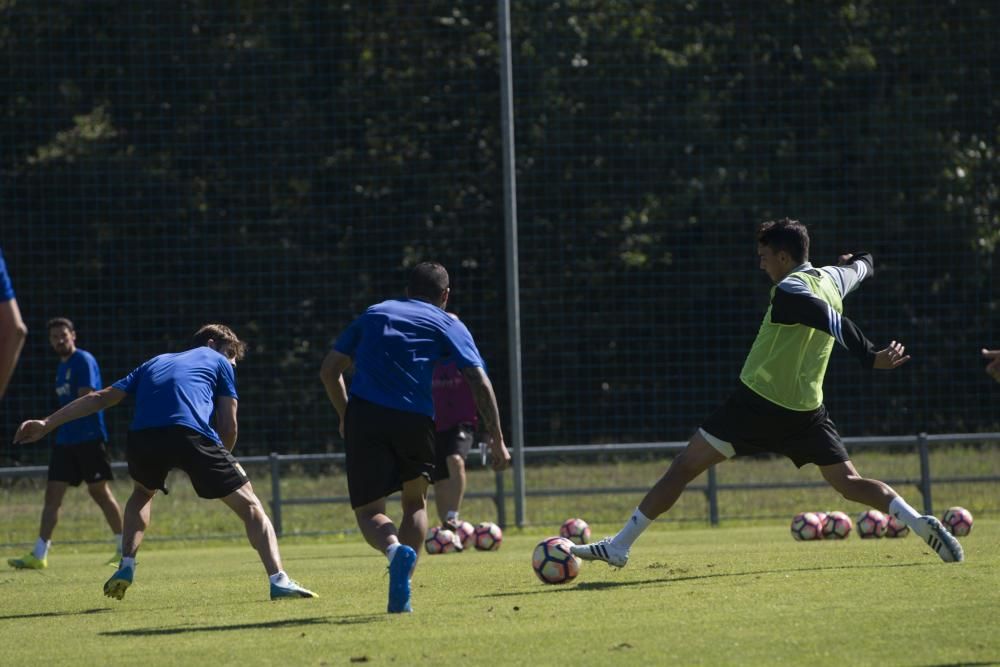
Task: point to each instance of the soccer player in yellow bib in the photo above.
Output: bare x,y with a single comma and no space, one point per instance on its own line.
778,406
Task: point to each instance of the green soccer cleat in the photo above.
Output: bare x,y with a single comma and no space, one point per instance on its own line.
28,562
114,560
119,582
290,589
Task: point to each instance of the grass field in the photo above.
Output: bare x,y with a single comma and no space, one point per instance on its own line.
742,595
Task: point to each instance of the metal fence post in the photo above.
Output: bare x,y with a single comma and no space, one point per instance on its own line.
500,500
925,473
275,492
713,497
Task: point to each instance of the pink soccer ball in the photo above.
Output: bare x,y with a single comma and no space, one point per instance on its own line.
896,528
466,531
837,526
553,562
872,524
441,541
958,521
488,536
807,526
575,530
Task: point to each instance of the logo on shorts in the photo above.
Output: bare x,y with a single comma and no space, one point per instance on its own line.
239,469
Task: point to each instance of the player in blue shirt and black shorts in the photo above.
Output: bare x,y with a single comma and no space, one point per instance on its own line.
185,417
388,422
12,329
79,453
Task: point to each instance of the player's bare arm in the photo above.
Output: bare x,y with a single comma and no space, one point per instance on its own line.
486,403
332,374
12,335
225,420
36,429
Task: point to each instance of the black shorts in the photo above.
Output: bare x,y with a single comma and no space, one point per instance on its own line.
384,448
754,425
456,440
153,452
81,462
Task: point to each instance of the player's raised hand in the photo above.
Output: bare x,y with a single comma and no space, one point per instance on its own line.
30,431
891,357
843,260
992,368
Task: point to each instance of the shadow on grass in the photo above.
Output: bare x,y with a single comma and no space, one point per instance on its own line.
269,625
45,614
602,585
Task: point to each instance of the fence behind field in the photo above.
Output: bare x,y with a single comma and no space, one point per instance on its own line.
922,444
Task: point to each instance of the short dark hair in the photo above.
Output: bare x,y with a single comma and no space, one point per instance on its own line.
428,280
59,322
785,234
227,343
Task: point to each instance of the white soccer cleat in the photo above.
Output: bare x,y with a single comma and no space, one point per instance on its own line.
940,540
605,550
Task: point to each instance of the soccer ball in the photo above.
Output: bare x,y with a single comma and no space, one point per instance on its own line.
575,530
837,526
807,526
958,521
896,528
553,562
441,541
822,516
488,536
465,532
872,524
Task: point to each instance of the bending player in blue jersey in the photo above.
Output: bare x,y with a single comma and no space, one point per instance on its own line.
388,423
79,453
777,406
12,328
175,398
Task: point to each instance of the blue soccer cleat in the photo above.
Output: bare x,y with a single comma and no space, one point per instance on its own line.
400,570
119,582
290,589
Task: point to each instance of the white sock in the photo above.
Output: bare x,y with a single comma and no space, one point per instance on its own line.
118,542
390,551
903,512
41,549
278,577
127,562
632,529
452,515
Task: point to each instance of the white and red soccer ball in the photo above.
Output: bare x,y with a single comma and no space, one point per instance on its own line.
872,524
837,526
553,562
807,526
958,521
487,536
465,533
441,541
575,530
896,528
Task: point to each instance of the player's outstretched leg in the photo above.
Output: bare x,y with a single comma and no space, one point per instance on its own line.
400,569
605,550
696,458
